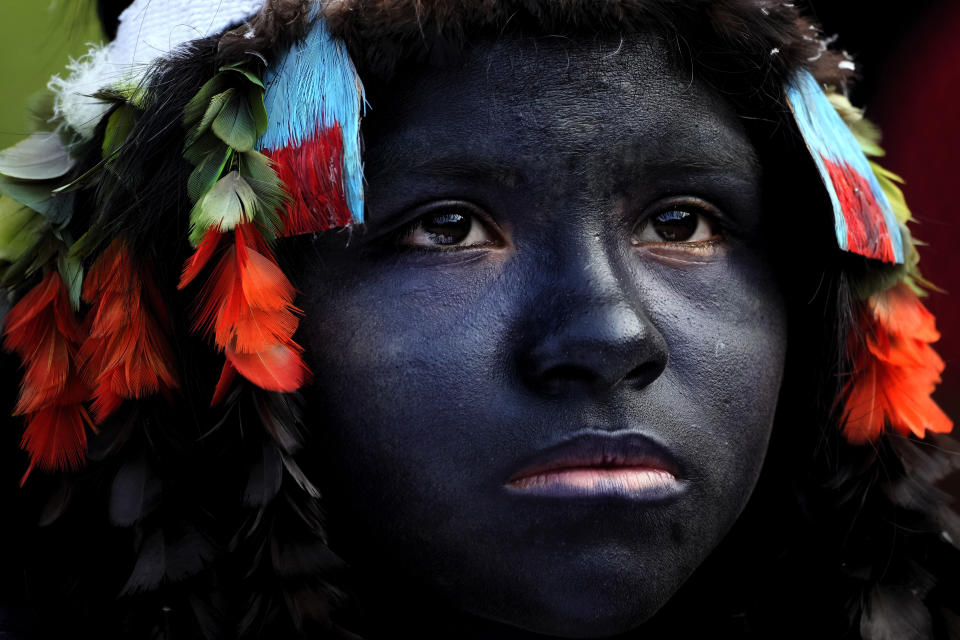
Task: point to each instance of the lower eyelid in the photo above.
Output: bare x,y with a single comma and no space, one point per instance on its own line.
685,254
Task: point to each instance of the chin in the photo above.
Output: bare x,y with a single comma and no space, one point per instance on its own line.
581,621
608,606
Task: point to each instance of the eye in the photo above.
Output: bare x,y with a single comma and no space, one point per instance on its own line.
686,222
449,225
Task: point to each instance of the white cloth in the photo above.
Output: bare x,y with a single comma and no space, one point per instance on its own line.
148,30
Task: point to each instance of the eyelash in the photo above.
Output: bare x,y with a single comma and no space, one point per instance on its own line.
454,211
703,213
477,219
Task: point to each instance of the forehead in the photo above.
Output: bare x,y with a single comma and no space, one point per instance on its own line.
623,100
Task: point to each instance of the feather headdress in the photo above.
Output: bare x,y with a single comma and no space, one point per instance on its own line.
275,150
271,147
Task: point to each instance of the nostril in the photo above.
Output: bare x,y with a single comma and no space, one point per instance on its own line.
562,377
566,373
594,349
644,374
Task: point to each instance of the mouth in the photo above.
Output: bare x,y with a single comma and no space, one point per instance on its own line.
596,464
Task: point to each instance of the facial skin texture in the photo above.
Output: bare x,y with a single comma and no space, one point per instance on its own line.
440,371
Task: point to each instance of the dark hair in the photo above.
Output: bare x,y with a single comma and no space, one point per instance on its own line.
108,11
182,528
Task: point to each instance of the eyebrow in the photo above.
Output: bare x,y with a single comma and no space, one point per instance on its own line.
483,169
746,168
456,166
487,166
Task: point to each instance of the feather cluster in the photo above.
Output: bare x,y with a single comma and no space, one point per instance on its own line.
315,100
246,306
126,354
895,370
865,221
42,329
312,172
246,302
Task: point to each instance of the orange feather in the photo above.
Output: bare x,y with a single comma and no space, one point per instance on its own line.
126,355
42,329
246,307
895,370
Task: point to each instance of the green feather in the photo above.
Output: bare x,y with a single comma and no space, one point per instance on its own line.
879,279
237,67
20,228
33,260
71,270
230,202
200,103
259,110
214,107
119,125
235,124
223,122
257,169
208,172
88,243
38,196
204,146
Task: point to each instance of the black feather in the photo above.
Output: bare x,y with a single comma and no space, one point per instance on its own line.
57,504
895,613
187,554
265,479
135,492
150,567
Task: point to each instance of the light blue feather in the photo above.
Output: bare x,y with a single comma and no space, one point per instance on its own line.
315,83
828,137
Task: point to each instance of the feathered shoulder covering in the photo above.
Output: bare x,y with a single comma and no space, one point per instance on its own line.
159,421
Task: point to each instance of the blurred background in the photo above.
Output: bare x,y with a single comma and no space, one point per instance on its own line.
910,63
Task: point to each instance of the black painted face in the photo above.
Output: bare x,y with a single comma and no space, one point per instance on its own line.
562,249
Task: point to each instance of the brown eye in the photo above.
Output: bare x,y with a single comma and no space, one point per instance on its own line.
675,225
447,228
454,225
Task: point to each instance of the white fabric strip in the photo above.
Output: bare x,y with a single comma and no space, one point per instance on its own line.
148,30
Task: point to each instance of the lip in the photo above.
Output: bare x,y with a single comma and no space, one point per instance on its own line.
609,464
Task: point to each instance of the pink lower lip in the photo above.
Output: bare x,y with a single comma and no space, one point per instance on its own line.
594,480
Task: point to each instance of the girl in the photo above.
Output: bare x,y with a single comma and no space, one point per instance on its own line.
502,319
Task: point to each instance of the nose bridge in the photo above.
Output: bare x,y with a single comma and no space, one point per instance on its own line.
592,331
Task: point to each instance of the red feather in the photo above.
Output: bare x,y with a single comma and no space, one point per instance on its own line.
223,385
896,370
126,355
55,437
279,368
42,329
200,258
246,306
867,232
312,173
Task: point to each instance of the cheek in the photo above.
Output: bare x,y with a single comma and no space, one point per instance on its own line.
725,324
405,367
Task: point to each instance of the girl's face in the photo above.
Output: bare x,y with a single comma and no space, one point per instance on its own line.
548,365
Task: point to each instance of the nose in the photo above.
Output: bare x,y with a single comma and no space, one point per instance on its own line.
588,330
